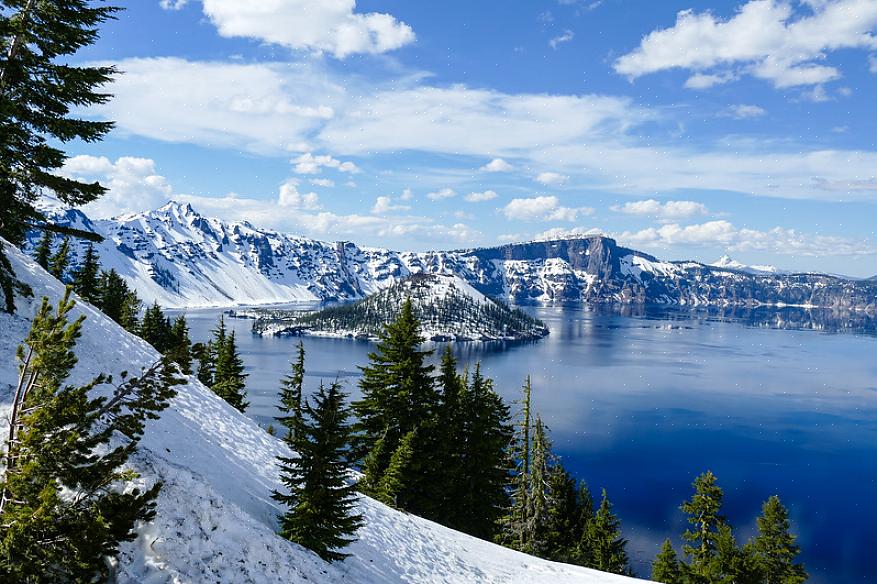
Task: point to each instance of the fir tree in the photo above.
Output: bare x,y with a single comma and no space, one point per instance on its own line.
395,482
229,380
205,355
563,525
86,279
320,500
43,251
38,89
291,390
607,548
60,260
665,568
536,528
774,547
155,328
62,510
180,346
451,442
514,524
118,301
581,554
703,514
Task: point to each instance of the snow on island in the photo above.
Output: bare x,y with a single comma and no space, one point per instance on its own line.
448,308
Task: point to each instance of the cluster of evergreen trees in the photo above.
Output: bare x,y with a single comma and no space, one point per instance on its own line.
63,512
712,553
221,368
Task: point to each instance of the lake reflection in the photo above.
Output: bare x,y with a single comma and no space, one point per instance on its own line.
641,401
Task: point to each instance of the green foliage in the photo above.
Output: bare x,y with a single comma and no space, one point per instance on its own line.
703,514
86,279
229,379
60,260
607,549
155,328
39,89
514,524
291,391
665,568
43,251
118,301
319,498
63,507
394,487
179,349
774,548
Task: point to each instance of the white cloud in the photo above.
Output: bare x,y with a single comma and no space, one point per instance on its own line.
323,182
543,208
566,37
551,178
497,165
133,183
406,195
307,163
289,196
743,111
173,4
442,194
872,63
330,26
707,80
480,197
725,235
765,38
667,210
564,233
385,205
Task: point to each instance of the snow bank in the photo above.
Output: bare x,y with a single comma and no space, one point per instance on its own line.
215,519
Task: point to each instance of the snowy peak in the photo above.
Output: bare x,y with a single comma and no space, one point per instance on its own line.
726,262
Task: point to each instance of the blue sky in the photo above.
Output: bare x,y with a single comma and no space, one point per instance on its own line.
686,129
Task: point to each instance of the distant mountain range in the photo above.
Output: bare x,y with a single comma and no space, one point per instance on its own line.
448,308
180,258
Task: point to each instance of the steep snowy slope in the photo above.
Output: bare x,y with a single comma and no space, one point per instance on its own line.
447,307
216,521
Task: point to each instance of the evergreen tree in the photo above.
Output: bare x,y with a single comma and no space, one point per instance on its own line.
229,380
155,328
450,446
665,568
291,390
43,251
60,260
514,524
539,498
118,301
86,279
563,525
38,89
320,500
62,511
180,348
774,547
398,397
703,514
607,548
205,355
395,483
581,554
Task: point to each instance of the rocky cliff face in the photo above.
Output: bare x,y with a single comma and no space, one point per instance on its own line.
182,259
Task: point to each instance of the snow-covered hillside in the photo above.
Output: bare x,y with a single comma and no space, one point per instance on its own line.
447,307
216,521
730,263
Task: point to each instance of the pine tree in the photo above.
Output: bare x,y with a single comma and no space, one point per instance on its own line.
395,482
180,348
774,547
43,251
155,328
118,301
38,89
60,260
62,510
450,446
86,279
581,554
607,547
320,500
229,380
665,568
514,524
205,355
536,528
703,513
563,525
291,391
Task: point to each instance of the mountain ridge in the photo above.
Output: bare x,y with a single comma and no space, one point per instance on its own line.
180,258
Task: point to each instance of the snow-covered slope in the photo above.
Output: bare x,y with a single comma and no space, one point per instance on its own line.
447,307
182,259
728,262
216,521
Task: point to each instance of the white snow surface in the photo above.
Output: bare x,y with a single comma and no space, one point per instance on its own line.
728,262
216,521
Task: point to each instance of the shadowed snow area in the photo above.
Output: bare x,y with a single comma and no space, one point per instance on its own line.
216,520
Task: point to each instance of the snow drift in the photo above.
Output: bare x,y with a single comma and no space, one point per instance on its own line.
216,521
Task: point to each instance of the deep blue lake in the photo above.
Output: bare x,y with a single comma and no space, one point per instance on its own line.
641,403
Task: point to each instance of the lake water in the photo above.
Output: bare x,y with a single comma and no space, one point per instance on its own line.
641,403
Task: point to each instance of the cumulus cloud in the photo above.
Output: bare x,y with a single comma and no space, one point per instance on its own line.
543,208
323,182
442,194
767,39
566,37
497,165
406,195
665,211
724,234
743,111
307,163
385,204
564,233
480,197
133,183
331,26
289,196
173,4
551,178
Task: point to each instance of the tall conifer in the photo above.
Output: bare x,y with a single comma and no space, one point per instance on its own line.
60,260
229,380
86,279
665,568
291,391
703,514
608,551
43,251
774,547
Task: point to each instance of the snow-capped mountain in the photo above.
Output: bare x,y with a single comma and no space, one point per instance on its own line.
215,518
729,263
181,259
447,307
